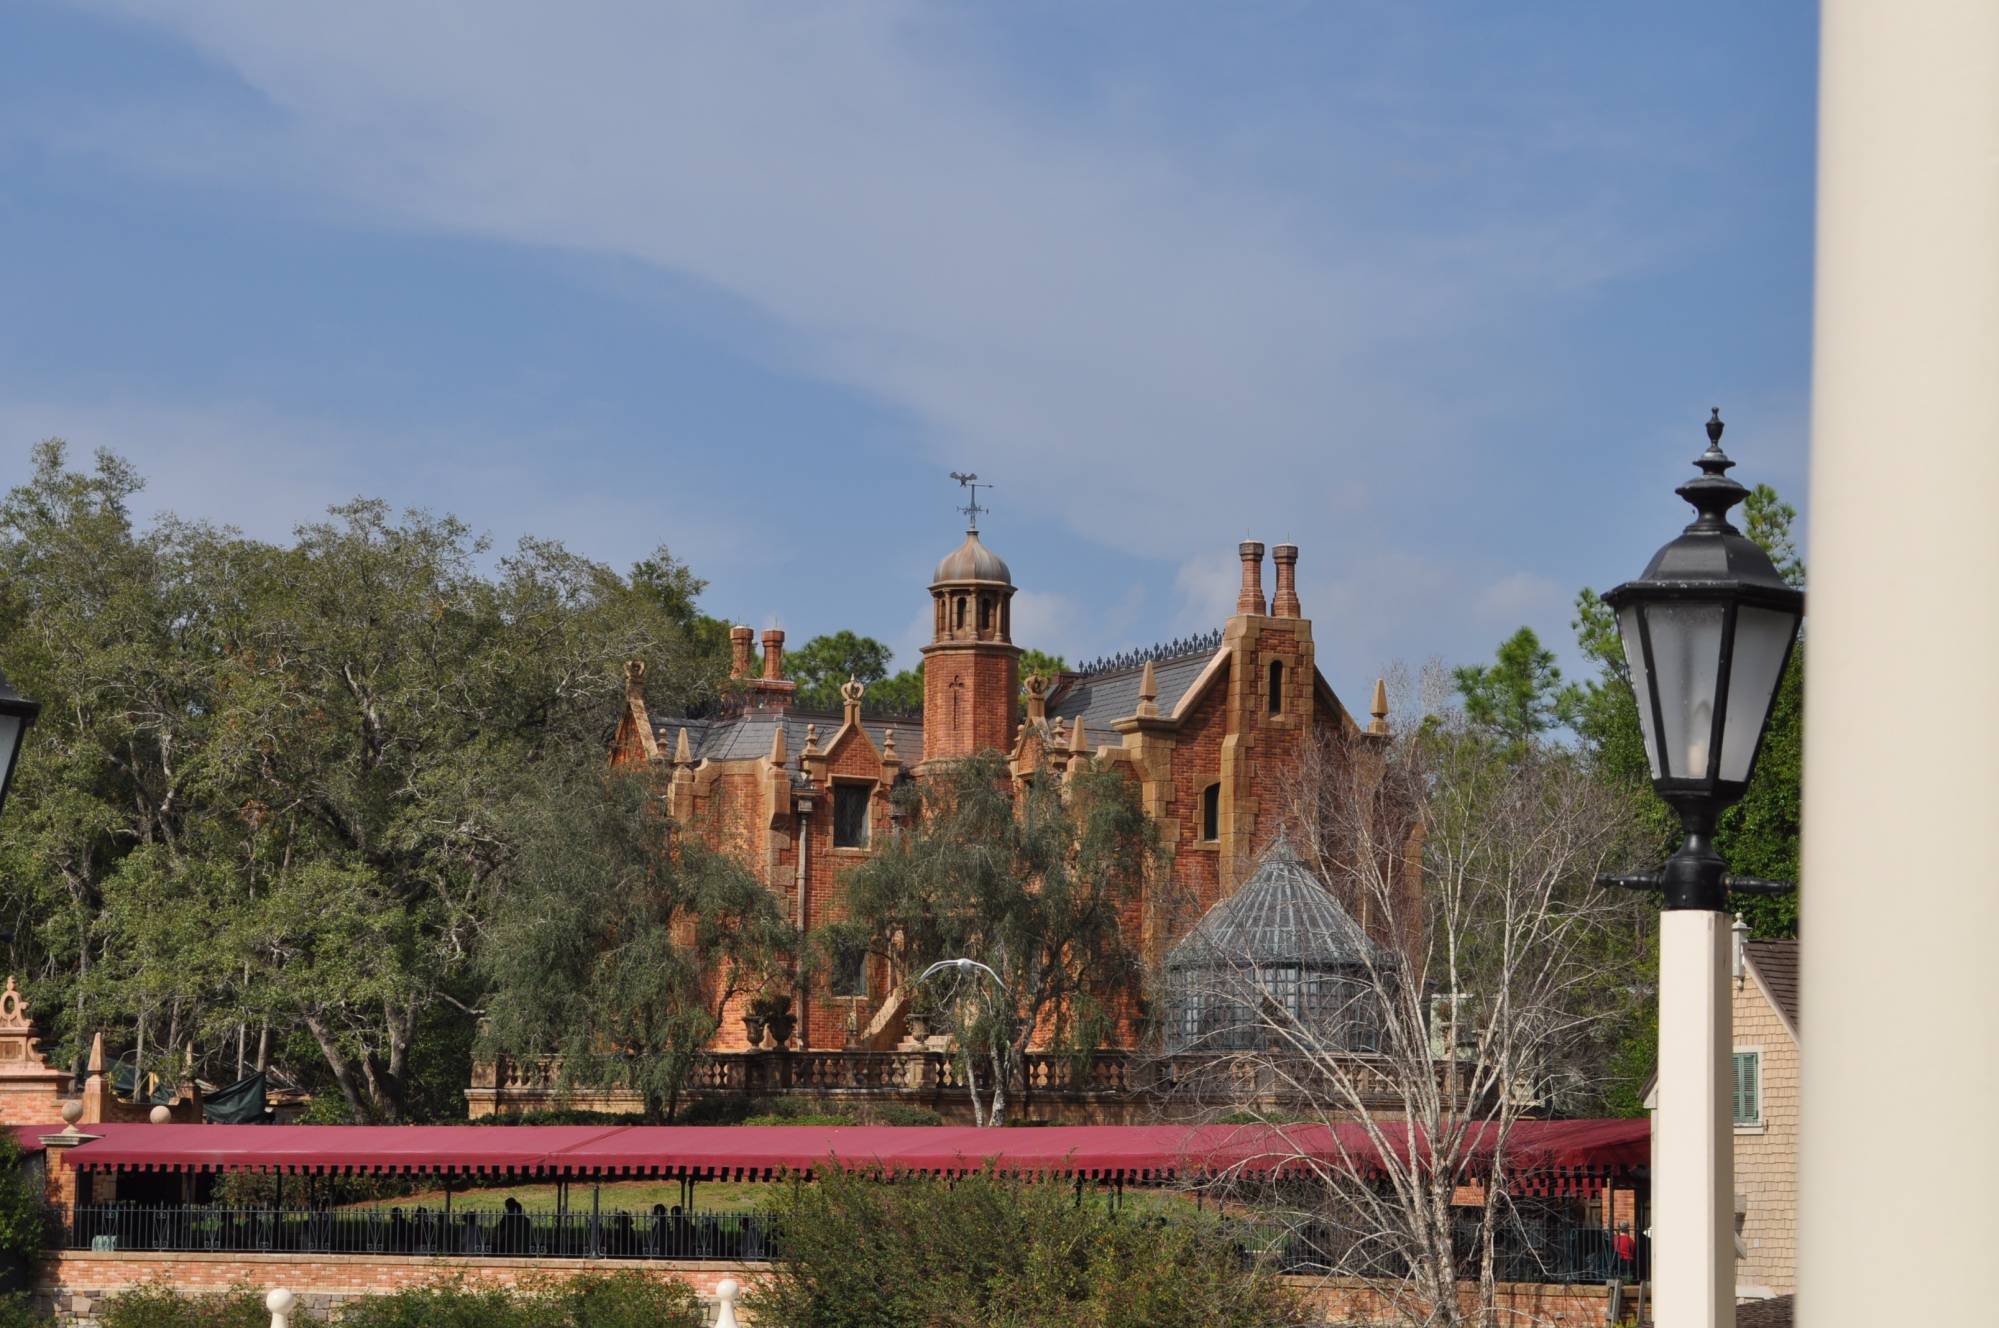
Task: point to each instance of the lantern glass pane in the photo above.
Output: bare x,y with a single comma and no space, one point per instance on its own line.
1761,638
1641,682
1686,657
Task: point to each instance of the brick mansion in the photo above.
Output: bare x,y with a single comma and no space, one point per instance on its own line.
1207,731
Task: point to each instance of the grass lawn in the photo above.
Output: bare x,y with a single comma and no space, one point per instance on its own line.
632,1196
638,1196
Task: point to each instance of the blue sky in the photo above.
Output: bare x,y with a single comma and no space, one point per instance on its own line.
1439,292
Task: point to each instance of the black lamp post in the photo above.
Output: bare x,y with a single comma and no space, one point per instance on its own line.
1707,629
16,713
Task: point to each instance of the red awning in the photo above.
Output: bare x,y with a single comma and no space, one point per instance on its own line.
1550,1150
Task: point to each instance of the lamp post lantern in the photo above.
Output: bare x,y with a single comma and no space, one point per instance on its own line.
1707,631
17,712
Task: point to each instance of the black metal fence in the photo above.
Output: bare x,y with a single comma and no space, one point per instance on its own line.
1550,1249
616,1234
1530,1249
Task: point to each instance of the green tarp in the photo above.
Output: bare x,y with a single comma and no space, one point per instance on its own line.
238,1104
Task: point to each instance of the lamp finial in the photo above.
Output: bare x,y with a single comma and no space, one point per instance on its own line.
1713,493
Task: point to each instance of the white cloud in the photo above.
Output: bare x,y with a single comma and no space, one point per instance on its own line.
1089,304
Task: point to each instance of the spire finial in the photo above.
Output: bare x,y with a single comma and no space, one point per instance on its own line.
971,509
682,753
1379,712
777,756
1148,691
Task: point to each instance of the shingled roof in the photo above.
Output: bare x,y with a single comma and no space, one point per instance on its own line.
747,737
1776,965
1101,699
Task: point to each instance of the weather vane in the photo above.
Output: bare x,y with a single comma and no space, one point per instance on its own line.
972,508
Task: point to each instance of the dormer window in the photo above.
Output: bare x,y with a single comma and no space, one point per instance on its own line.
1276,698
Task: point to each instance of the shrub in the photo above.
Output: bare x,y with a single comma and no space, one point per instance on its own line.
992,1252
445,1305
626,1300
160,1306
24,1213
597,1300
16,1311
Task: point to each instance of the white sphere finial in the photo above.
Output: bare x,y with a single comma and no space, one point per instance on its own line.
72,1112
159,1115
725,1293
280,1303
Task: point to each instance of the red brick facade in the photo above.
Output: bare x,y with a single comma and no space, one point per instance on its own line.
1234,712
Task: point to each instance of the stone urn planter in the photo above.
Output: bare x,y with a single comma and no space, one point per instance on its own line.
919,1024
753,1027
773,1012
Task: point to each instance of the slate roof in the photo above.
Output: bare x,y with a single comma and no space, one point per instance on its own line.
1776,964
1282,915
747,737
1102,698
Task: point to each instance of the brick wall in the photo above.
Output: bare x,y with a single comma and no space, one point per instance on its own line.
970,691
1348,1300
1766,1157
75,1285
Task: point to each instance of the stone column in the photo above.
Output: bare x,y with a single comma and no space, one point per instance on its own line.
1901,870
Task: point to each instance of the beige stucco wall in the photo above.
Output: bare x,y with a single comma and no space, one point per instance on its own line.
1766,1157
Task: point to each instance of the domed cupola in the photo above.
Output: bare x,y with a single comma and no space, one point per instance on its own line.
972,561
971,669
972,591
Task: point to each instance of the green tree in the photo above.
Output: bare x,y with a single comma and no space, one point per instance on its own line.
1040,883
1519,696
988,1251
267,799
900,694
618,942
822,664
675,588
1037,662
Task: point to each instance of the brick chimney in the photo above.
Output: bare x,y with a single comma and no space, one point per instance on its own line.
1284,604
739,651
774,655
1250,600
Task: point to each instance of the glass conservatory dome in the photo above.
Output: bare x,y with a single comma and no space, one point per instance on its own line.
1279,951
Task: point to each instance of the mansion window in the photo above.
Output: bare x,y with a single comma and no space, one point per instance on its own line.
850,972
1748,1088
850,815
1211,813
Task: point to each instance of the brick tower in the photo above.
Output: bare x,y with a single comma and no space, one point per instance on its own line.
971,668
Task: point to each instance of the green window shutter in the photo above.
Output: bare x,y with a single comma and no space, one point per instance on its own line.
1748,1088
